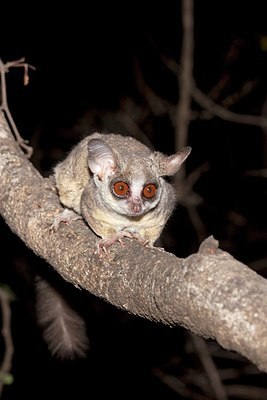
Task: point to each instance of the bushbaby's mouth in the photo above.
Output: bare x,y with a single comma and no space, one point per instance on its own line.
129,213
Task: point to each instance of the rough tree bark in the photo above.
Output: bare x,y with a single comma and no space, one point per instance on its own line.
210,292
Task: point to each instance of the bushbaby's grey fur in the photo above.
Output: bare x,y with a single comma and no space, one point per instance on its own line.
85,182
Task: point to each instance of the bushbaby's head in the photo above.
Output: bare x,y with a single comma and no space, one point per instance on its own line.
129,179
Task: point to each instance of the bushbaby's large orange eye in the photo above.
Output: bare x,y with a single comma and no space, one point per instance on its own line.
149,191
121,189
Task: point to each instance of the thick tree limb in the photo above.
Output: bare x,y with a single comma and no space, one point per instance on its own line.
209,292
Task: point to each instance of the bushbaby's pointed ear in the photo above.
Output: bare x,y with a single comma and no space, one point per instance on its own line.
170,165
101,160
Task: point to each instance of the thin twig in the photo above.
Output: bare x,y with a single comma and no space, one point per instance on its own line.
209,366
129,123
178,386
4,104
213,109
246,392
219,111
157,105
258,172
233,98
7,337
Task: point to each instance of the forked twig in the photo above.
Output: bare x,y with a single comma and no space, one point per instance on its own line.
4,68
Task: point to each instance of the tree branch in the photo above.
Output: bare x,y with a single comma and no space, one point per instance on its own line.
184,111
212,109
210,292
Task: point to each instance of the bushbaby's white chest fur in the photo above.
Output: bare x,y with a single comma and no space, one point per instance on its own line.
107,224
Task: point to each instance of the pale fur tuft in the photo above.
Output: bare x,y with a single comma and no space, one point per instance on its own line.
64,330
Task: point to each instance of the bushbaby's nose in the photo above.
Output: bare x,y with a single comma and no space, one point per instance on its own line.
136,206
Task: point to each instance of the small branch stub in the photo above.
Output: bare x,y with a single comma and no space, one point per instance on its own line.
209,246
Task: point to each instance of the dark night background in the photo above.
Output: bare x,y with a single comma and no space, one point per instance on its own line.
84,54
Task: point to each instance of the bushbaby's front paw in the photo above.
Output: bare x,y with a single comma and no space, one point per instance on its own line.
104,244
65,216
